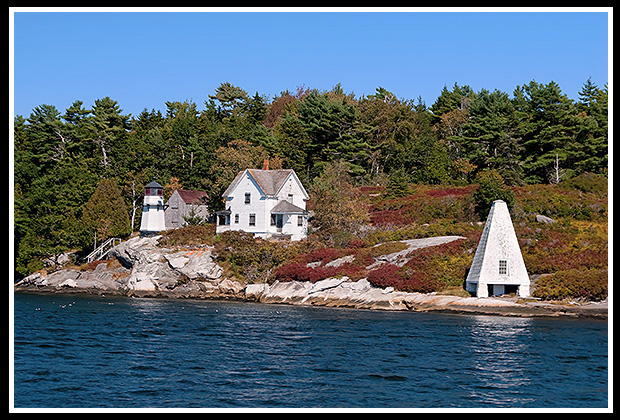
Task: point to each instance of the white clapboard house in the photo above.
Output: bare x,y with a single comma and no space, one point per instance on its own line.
267,203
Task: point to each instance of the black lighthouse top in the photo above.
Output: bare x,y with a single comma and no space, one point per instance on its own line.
153,188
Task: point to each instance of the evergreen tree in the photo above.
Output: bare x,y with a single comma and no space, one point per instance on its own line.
546,129
105,214
229,99
491,140
391,125
334,131
76,133
491,187
41,144
398,185
109,131
458,98
589,151
293,144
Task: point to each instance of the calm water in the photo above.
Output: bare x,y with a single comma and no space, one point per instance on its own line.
101,352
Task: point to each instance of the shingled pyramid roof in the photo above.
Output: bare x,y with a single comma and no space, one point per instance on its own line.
498,243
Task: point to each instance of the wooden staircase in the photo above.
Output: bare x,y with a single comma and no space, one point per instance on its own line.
103,249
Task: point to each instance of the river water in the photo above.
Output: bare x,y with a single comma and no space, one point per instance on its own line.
93,352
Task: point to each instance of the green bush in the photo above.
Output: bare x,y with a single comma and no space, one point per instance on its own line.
251,259
189,236
588,183
573,284
491,188
558,202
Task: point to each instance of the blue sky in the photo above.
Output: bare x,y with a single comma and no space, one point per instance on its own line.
143,59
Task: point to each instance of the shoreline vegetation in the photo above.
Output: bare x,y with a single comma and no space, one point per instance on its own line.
380,171
412,266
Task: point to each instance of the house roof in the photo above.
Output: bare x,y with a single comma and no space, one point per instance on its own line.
270,181
193,196
287,207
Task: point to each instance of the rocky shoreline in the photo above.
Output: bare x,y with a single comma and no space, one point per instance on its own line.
145,269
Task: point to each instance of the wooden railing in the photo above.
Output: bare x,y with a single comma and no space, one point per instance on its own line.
103,249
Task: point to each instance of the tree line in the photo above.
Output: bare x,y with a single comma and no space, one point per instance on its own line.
79,175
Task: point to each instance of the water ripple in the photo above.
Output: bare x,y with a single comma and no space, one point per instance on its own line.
160,353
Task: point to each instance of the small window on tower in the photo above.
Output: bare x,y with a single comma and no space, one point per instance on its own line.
503,267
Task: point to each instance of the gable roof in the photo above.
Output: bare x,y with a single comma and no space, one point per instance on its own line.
270,181
193,196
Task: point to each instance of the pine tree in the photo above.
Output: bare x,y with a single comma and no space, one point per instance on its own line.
105,214
589,151
334,131
547,128
491,140
491,187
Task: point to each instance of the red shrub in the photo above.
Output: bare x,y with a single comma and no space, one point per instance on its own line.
391,217
388,275
403,279
356,243
421,283
371,189
301,272
324,255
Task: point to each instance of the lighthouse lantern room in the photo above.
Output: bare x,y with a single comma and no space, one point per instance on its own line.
153,209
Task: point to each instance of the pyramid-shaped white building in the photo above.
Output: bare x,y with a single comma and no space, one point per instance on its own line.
498,266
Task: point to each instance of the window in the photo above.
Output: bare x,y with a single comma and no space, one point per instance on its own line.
252,219
300,220
503,267
237,218
247,198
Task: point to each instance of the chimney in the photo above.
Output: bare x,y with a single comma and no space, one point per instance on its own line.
266,165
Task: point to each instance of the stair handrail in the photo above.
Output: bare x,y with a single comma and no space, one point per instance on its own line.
101,251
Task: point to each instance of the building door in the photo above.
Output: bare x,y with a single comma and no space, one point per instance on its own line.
277,220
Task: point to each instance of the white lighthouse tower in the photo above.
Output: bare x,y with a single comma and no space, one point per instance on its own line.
498,265
153,209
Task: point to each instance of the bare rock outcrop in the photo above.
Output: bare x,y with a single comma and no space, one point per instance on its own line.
148,270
